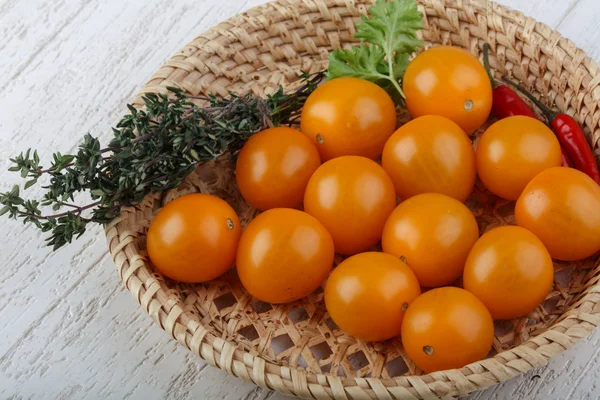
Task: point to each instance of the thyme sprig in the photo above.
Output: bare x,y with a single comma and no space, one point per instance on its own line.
152,150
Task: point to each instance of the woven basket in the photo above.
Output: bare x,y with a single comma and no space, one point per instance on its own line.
295,348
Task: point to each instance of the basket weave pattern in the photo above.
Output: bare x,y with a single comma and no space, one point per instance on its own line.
295,348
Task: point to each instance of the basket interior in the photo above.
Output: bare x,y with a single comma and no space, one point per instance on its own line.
301,334
268,46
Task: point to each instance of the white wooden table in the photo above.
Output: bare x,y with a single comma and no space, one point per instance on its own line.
68,327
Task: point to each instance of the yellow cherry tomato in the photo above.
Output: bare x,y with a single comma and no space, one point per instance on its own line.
367,294
514,150
194,238
510,271
434,234
284,255
352,197
348,116
430,154
450,82
274,166
447,328
561,206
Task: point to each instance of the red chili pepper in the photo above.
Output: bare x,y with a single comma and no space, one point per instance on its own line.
573,140
570,135
565,161
507,103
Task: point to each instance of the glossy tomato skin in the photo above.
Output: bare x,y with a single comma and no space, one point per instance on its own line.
430,154
348,116
450,82
434,233
352,197
194,238
284,255
510,271
367,294
561,206
514,150
274,166
447,328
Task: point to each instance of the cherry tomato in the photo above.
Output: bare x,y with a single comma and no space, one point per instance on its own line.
352,197
434,234
430,154
447,328
450,82
514,150
194,238
348,116
284,255
274,166
367,294
510,271
561,206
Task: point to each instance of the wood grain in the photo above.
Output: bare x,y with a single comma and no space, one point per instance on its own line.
70,329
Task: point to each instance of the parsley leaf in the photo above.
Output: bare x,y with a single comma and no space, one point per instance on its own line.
389,38
360,62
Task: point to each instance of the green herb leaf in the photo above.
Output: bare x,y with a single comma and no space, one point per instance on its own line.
392,26
30,183
151,150
97,192
391,37
358,62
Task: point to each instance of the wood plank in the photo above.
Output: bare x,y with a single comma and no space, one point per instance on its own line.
56,307
69,67
581,26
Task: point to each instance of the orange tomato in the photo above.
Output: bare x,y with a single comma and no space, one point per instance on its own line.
352,197
447,328
367,294
430,154
348,116
194,238
514,150
561,206
284,255
450,82
510,271
434,233
274,166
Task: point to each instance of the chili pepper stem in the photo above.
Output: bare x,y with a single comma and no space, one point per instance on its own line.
548,113
486,64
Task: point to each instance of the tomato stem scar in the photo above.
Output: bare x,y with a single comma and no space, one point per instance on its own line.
428,350
230,224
